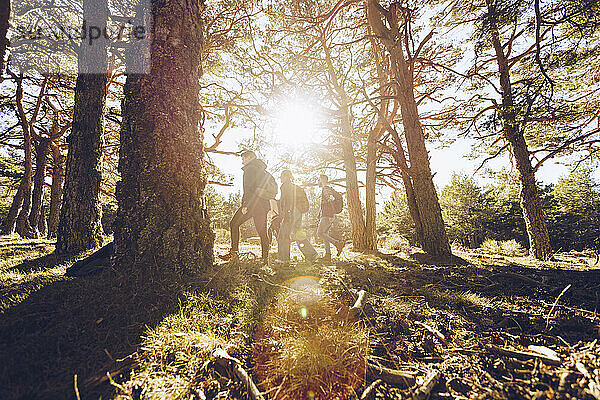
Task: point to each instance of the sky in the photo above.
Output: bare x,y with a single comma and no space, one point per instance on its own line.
445,160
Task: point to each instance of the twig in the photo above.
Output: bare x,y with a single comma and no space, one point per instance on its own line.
432,379
76,388
369,392
391,376
433,331
555,303
233,370
358,304
523,355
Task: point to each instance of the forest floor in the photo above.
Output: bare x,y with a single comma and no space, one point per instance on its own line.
488,327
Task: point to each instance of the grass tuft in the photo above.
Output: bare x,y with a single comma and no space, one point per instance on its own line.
310,349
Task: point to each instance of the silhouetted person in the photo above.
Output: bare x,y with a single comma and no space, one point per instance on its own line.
257,190
292,205
330,199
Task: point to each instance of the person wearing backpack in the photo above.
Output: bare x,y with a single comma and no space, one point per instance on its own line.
332,203
259,187
292,204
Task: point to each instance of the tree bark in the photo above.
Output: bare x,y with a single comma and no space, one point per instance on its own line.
8,226
355,210
38,186
371,181
434,238
411,200
80,226
56,191
160,221
23,228
4,17
531,205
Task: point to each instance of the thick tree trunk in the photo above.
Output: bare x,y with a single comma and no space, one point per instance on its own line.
38,186
4,17
537,231
58,177
160,221
42,226
79,225
8,226
434,238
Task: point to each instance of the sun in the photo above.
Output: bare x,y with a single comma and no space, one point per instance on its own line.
296,123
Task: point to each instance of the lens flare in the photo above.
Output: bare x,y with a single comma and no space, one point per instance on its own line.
302,344
303,312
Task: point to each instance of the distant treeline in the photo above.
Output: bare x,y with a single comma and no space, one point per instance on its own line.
473,213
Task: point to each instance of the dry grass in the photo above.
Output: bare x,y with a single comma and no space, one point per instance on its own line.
308,348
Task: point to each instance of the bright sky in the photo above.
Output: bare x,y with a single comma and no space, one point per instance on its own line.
445,161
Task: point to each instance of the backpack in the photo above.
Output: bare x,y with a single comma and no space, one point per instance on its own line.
301,200
337,204
268,188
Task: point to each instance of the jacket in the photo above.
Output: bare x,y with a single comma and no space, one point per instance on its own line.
254,175
327,197
287,204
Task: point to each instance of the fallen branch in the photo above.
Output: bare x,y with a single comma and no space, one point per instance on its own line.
358,304
433,331
593,386
523,355
369,393
425,390
390,376
554,305
231,367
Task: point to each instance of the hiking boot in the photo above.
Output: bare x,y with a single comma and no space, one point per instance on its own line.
339,246
232,255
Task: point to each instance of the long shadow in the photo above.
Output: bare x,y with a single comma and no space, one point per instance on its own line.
46,261
78,326
526,293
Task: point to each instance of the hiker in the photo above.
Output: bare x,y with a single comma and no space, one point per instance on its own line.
292,204
259,187
331,204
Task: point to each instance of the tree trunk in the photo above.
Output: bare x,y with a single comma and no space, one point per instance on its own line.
531,205
38,185
23,227
411,200
160,221
4,17
8,226
434,238
80,226
371,181
58,177
355,211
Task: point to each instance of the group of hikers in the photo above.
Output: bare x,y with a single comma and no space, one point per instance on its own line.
285,223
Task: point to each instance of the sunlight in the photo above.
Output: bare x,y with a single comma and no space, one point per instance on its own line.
296,123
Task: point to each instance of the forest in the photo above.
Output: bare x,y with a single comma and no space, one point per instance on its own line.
284,199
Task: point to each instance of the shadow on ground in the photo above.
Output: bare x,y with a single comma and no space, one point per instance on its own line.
83,326
517,298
